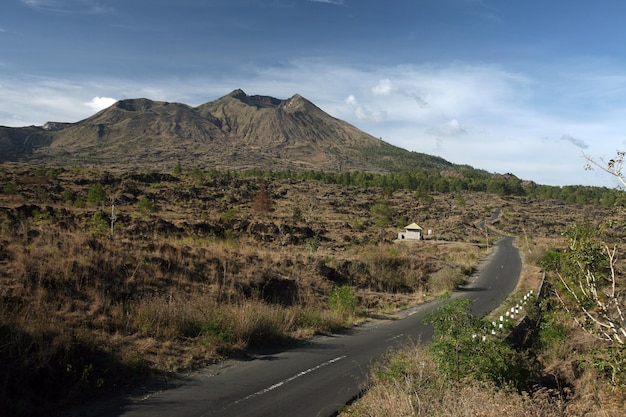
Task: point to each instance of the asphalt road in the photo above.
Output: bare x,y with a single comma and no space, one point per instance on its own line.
316,377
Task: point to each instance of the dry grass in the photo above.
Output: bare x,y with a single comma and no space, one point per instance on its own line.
408,384
203,275
568,383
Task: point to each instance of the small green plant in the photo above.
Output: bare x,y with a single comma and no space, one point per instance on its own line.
40,218
178,169
551,330
228,215
343,299
296,215
99,223
313,243
146,205
10,188
79,203
382,212
68,196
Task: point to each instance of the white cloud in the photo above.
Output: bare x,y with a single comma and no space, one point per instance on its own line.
483,116
337,2
449,128
383,88
364,112
100,103
67,6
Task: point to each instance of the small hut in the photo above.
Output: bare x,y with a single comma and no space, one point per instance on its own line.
411,232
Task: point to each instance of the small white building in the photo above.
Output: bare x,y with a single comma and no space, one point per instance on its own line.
411,232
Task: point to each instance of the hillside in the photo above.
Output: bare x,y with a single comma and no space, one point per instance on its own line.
235,132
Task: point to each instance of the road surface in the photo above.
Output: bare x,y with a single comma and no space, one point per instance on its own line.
316,377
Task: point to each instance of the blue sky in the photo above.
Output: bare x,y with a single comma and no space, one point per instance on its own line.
507,86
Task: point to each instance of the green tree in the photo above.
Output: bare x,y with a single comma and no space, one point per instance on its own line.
146,205
96,194
382,213
296,214
178,169
68,196
463,347
99,223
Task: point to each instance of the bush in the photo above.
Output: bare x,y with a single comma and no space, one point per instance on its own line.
228,215
10,188
343,300
462,348
96,194
146,205
99,223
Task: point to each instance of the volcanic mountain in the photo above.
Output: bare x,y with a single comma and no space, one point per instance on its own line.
236,132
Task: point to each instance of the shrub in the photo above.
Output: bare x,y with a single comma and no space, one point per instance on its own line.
228,215
296,215
68,196
146,205
343,300
461,347
96,194
99,223
10,188
551,330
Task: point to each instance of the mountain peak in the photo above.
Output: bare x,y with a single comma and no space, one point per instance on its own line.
256,101
238,94
135,104
298,103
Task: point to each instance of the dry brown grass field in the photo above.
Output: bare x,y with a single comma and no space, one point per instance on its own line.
109,278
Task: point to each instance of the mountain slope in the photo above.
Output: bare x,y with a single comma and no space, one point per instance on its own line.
16,142
236,132
294,130
136,132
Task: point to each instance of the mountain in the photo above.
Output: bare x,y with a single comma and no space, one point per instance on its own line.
16,142
236,132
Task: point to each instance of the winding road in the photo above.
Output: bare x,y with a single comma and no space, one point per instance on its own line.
318,376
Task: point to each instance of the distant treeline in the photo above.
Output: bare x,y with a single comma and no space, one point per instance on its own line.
426,182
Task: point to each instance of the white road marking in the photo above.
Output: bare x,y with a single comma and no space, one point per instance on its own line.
394,337
285,381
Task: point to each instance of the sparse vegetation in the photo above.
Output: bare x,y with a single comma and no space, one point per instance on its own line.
566,358
204,276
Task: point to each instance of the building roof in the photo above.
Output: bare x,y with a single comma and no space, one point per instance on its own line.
413,226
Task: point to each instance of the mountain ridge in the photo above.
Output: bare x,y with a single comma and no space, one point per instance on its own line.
236,131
